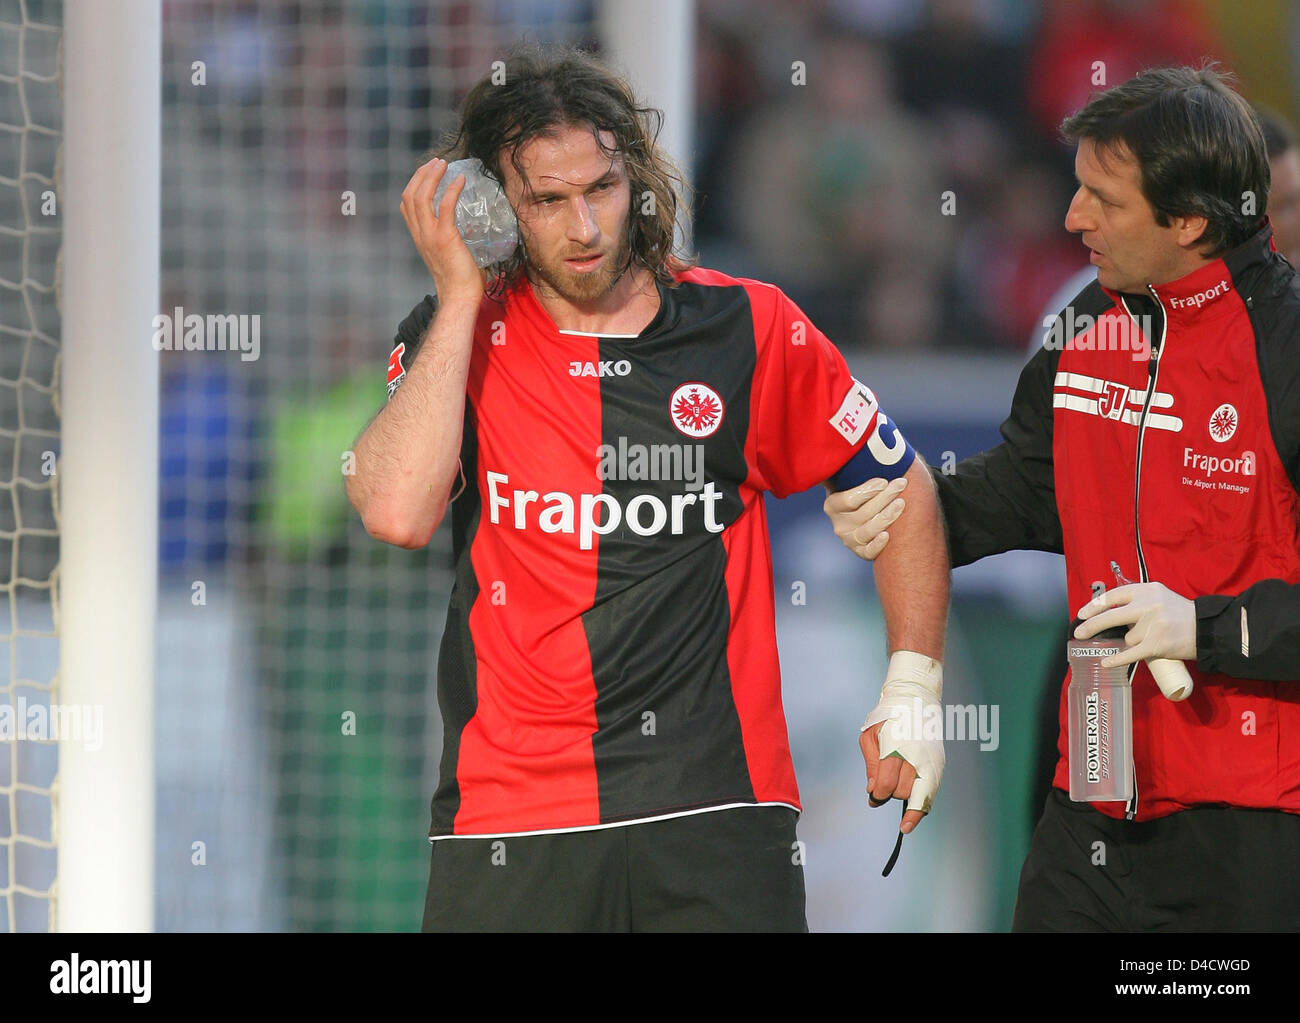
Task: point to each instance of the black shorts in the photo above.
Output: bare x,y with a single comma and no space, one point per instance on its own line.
1211,868
739,869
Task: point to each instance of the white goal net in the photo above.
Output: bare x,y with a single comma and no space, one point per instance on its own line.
30,127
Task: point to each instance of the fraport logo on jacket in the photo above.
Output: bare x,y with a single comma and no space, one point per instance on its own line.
1202,297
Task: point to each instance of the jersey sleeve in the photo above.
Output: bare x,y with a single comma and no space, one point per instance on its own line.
410,335
813,421
1004,499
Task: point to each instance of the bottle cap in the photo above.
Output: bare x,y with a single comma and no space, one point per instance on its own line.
1115,632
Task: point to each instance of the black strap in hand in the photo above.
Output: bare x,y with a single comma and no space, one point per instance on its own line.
898,848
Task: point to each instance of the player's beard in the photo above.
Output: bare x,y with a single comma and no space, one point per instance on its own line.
578,288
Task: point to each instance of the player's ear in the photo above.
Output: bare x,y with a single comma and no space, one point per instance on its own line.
1190,230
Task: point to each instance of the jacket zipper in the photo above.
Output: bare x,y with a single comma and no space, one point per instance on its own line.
1153,373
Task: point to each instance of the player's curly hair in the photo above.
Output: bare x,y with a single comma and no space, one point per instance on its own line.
539,89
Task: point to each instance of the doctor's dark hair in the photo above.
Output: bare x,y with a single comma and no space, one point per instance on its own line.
1279,136
536,90
1198,146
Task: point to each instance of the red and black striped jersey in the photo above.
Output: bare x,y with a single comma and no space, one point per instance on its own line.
610,647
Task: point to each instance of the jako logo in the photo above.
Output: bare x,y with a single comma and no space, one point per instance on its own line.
600,369
1201,297
1223,423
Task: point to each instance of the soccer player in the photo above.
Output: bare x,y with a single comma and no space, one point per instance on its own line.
603,420
1178,457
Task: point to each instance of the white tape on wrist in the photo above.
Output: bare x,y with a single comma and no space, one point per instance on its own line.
910,674
913,683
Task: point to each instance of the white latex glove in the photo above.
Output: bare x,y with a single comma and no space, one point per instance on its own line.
861,516
1163,623
901,742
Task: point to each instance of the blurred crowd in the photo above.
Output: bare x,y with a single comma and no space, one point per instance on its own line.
912,193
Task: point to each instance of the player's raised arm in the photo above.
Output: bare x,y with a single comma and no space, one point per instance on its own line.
407,459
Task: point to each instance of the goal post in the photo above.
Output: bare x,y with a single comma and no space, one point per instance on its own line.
108,472
654,44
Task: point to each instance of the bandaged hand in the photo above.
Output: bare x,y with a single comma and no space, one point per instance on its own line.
901,761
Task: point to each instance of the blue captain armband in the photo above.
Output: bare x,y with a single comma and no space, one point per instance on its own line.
886,454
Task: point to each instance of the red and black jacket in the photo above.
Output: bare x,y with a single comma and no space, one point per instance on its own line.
1175,451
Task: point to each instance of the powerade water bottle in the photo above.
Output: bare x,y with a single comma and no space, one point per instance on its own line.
1100,719
484,216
